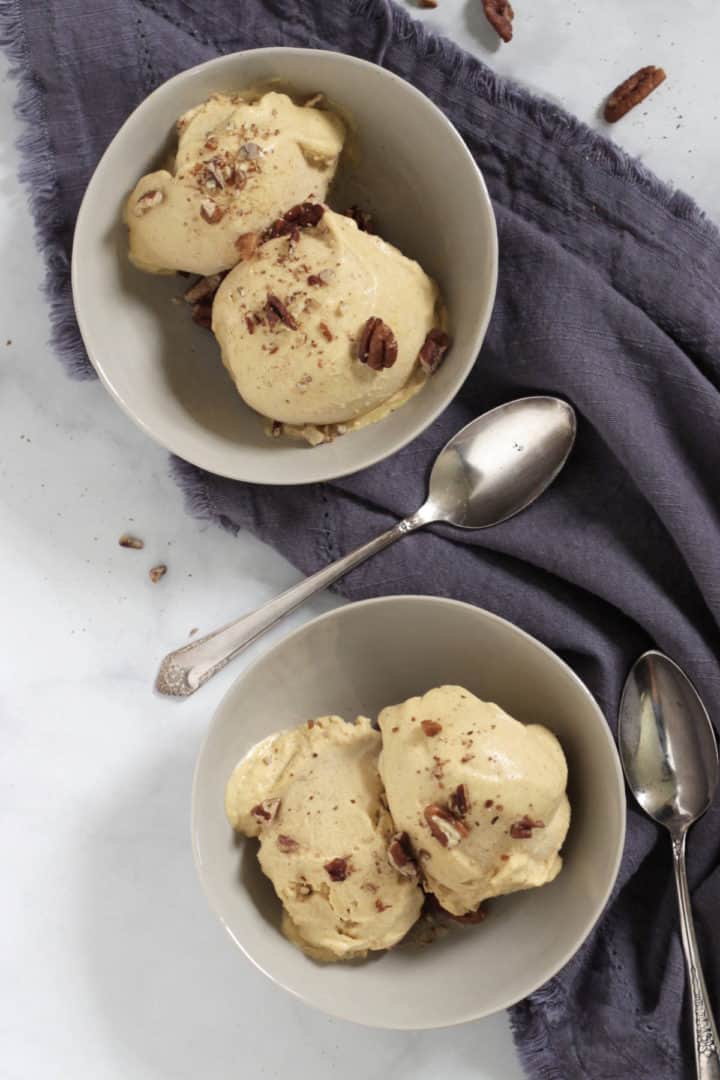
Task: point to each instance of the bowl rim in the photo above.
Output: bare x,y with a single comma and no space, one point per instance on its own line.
94,348
599,904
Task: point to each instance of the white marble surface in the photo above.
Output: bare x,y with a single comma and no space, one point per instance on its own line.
112,965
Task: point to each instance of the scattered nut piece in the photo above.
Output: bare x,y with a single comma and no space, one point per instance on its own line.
338,869
400,855
147,202
499,14
303,216
157,572
433,351
277,312
251,151
202,314
246,244
446,829
266,811
427,3
211,212
522,829
276,429
287,844
326,331
431,727
203,288
459,801
128,541
376,345
362,219
631,92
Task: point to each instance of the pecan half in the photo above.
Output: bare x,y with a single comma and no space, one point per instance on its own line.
459,801
400,855
446,829
338,869
266,811
303,216
431,727
376,345
631,92
203,289
246,245
433,351
127,541
277,312
499,14
211,212
522,829
362,219
287,844
147,201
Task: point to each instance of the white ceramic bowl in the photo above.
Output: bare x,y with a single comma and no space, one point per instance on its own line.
356,660
413,171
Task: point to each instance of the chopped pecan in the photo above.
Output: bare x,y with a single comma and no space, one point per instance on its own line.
127,541
431,727
522,829
376,345
250,151
380,906
400,855
459,801
203,288
213,175
277,429
446,829
362,219
302,216
157,572
202,314
277,312
433,351
499,14
211,142
246,244
631,92
326,331
148,201
211,212
250,324
287,844
338,869
266,811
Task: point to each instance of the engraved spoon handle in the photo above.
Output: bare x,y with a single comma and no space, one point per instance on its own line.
185,670
707,1044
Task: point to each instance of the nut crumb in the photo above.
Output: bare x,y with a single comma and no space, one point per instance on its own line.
156,572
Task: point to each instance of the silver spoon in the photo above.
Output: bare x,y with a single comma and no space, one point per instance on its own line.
495,467
670,757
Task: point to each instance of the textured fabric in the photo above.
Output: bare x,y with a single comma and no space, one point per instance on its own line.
608,296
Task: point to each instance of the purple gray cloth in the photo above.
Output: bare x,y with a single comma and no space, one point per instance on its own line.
609,296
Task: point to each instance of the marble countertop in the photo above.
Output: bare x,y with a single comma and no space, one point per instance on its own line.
113,965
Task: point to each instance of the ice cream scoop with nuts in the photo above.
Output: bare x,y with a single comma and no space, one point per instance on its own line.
325,328
239,164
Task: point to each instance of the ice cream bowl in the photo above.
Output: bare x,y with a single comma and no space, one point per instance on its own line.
166,373
356,660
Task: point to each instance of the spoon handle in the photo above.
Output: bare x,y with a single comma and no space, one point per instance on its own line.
185,670
707,1044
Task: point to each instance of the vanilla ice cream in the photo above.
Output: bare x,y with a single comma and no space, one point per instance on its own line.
313,797
322,328
239,165
480,795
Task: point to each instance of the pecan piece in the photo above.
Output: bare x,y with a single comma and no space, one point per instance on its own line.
499,14
277,312
302,216
246,245
446,829
147,201
433,351
631,92
338,869
287,844
362,219
459,801
376,345
127,541
250,151
326,331
202,314
431,727
400,855
211,212
157,572
522,829
203,289
266,811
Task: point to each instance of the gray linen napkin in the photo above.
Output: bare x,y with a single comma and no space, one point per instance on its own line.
608,296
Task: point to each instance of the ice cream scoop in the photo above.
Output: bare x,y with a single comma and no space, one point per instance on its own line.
239,164
480,795
313,797
322,328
